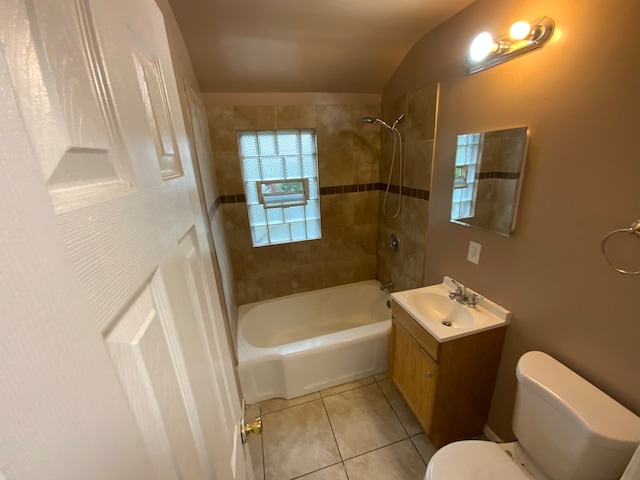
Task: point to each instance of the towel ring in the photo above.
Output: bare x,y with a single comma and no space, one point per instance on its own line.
634,229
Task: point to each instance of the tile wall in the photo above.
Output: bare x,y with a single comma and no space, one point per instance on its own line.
348,153
405,267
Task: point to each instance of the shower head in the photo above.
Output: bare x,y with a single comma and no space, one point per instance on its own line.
377,120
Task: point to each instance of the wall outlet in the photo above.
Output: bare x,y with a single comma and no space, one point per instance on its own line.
474,252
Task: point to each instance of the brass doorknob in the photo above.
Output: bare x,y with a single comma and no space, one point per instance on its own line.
254,427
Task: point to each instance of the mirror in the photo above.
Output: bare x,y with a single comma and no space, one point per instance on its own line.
486,184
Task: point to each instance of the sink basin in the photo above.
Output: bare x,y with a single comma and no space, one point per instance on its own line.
440,308
447,319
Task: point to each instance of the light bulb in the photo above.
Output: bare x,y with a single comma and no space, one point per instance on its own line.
520,30
481,46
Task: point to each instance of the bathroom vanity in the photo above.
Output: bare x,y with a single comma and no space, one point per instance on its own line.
444,359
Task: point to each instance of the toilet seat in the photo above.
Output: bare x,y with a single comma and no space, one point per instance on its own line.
473,460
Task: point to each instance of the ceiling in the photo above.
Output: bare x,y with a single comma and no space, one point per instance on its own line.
342,46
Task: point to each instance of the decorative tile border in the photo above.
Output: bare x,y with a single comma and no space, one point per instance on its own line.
358,187
501,175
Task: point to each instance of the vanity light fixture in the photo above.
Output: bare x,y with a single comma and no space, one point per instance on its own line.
523,37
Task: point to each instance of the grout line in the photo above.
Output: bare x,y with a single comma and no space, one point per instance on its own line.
335,439
394,411
417,451
380,448
348,389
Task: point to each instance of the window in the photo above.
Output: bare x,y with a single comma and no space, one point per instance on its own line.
280,173
465,185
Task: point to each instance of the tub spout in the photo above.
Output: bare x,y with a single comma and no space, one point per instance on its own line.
385,286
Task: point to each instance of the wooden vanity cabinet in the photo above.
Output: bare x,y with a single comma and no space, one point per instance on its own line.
448,385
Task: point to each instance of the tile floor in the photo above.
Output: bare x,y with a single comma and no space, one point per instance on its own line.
361,430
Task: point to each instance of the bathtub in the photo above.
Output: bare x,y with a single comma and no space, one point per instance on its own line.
303,343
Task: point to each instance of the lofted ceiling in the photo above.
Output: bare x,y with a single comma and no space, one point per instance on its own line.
341,46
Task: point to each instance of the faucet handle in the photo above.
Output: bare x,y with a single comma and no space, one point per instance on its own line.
472,299
460,288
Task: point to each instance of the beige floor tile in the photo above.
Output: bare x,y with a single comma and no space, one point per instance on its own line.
362,420
257,460
399,405
255,442
276,404
399,461
335,472
347,386
297,441
424,446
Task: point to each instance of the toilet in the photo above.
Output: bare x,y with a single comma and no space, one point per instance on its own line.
566,429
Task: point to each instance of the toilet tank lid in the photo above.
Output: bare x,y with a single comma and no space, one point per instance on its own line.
565,389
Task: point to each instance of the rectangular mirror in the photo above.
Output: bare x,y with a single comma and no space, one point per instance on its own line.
486,184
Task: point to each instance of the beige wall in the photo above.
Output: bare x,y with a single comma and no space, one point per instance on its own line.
404,267
580,96
348,153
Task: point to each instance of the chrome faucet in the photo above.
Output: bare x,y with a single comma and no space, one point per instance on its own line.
460,295
385,286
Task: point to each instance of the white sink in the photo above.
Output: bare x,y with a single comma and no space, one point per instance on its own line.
447,319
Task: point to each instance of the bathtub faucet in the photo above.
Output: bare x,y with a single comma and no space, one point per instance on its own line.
385,286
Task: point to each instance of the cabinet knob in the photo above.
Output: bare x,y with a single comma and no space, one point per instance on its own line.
429,374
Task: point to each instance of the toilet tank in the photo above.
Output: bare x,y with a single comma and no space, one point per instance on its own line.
569,428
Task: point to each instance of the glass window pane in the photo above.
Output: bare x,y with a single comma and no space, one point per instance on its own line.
313,229
275,215
294,214
312,210
272,168
298,231
259,236
257,215
251,190
307,141
279,233
248,143
267,143
292,166
251,169
314,191
309,166
288,142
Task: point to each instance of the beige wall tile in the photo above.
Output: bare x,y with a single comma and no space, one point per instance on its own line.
229,173
418,164
296,116
221,129
421,114
254,118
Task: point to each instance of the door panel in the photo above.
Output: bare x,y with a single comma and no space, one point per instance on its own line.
93,82
144,348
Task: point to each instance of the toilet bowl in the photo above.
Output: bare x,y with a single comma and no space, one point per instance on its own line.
567,429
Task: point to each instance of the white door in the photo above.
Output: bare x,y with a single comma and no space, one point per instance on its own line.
115,364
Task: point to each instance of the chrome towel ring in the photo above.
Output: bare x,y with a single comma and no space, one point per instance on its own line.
634,229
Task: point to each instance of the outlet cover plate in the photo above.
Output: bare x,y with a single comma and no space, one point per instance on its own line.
474,252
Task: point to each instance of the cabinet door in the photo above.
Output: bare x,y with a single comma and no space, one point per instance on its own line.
415,374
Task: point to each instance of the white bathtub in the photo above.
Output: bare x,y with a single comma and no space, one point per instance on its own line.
303,343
